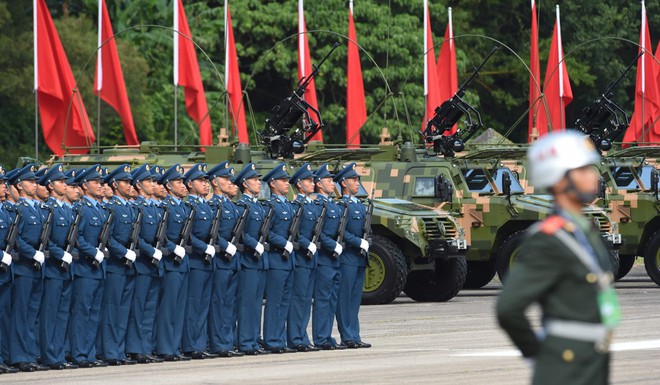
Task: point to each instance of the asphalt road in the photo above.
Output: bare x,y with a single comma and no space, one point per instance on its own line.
456,343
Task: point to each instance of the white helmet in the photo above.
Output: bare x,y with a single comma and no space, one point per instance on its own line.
553,155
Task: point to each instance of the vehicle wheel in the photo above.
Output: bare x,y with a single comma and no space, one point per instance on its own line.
386,273
507,254
626,263
615,261
652,258
479,274
440,285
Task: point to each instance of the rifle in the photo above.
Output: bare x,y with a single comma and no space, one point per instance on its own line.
215,233
104,236
185,231
341,230
44,236
294,228
135,236
286,114
265,230
448,114
317,229
10,241
161,232
237,231
366,228
71,238
595,120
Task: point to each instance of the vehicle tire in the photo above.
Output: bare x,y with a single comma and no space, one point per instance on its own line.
386,273
439,285
615,261
652,258
507,254
479,274
626,263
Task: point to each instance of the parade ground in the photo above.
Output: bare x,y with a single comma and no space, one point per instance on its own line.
456,343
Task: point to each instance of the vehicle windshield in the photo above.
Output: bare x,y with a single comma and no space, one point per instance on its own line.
516,188
479,181
645,176
624,177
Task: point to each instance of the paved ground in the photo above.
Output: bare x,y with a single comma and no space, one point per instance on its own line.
448,343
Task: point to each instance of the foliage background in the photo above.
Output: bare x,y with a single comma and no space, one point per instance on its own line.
390,32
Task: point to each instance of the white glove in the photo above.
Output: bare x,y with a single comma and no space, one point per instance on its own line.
157,255
179,251
210,250
39,257
99,257
68,258
231,249
312,248
259,248
130,255
6,258
364,245
339,249
288,247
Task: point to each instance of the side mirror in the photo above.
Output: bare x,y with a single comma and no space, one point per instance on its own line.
602,190
444,190
655,182
506,185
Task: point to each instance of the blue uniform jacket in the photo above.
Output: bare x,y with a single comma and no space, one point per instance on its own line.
63,217
6,218
251,234
201,230
279,233
329,231
122,227
29,229
230,214
178,214
93,217
151,216
306,231
353,237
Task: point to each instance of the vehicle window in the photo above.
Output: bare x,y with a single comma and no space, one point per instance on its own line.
477,180
624,178
424,186
499,178
645,176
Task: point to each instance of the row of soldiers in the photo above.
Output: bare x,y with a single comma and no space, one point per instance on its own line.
142,265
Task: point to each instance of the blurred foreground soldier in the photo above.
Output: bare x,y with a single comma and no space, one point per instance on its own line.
6,218
564,266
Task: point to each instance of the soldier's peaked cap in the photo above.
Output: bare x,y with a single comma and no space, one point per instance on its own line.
221,170
323,172
249,171
89,173
55,172
141,173
25,173
173,173
197,171
71,176
304,172
122,172
347,172
278,172
2,172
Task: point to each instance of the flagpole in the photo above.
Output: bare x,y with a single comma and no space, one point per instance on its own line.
176,72
643,34
99,75
227,102
36,82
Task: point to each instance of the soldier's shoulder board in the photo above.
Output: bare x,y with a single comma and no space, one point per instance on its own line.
552,224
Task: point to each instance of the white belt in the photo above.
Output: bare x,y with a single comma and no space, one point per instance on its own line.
576,330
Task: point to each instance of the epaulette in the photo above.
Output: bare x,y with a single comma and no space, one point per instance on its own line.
552,224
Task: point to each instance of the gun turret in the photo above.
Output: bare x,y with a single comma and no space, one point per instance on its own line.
604,120
448,114
276,136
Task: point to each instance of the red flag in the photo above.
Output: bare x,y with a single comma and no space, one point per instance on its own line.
56,89
431,85
233,82
305,64
109,80
356,109
186,74
642,128
447,73
534,76
557,87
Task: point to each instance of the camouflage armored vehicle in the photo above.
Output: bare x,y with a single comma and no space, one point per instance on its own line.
409,239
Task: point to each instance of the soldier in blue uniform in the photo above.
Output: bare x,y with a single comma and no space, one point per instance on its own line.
58,274
6,273
28,273
254,262
279,276
305,262
42,194
326,285
222,312
195,328
120,276
174,288
139,335
353,264
89,272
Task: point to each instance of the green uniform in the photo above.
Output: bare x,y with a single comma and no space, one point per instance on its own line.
550,273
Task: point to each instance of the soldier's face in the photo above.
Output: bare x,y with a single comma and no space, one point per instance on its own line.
59,186
3,191
107,191
586,179
161,191
147,186
124,188
352,185
178,188
254,185
42,192
327,185
72,194
280,186
306,186
95,187
200,187
28,187
224,184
